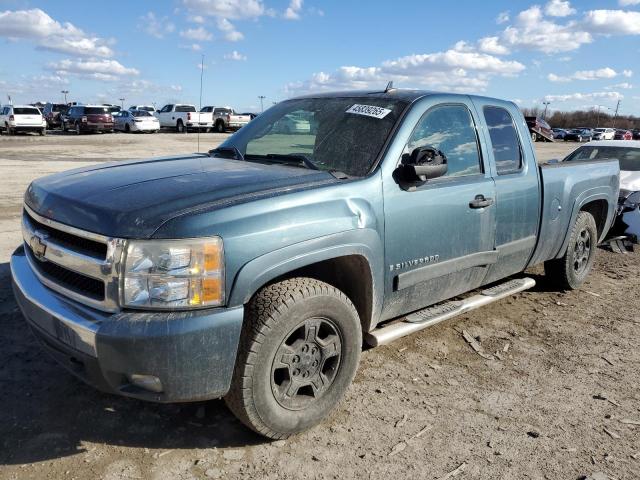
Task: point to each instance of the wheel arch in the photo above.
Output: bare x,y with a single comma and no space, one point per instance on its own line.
353,268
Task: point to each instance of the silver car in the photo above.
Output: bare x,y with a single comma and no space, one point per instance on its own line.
136,121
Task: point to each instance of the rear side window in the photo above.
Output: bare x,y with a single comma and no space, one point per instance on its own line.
504,139
185,108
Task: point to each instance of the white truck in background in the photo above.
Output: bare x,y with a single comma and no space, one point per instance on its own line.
183,117
225,118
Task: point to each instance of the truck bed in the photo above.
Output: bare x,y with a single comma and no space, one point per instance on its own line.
566,188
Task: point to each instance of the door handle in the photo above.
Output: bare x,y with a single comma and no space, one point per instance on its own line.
480,202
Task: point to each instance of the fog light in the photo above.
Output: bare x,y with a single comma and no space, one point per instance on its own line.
148,382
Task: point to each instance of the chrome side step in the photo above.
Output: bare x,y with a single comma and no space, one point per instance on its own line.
417,321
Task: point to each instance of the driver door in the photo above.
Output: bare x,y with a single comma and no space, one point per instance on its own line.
439,240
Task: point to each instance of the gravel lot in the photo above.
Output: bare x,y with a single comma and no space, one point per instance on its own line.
559,400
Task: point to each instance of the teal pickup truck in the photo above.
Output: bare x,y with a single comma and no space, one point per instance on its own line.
257,271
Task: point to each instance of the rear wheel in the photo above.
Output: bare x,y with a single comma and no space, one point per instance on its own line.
571,270
9,129
299,351
127,128
43,131
78,130
180,127
220,126
534,137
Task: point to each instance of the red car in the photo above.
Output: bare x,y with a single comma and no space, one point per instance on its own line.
88,118
623,135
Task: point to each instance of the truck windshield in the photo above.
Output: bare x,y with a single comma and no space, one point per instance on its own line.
336,134
629,158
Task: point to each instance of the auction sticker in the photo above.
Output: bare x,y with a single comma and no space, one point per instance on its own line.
369,110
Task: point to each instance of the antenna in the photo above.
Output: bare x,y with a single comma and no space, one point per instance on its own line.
389,87
200,105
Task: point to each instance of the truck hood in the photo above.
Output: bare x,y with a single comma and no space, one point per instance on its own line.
629,180
132,199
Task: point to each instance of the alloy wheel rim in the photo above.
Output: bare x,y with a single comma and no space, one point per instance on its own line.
306,363
582,251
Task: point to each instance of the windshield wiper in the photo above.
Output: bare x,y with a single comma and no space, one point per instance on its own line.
298,158
232,149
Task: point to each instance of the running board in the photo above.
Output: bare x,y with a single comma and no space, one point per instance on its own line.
417,321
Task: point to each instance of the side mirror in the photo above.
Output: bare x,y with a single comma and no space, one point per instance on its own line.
424,163
553,161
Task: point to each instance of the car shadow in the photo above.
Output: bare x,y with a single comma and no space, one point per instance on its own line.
47,413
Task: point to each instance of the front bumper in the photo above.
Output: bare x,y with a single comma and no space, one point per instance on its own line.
192,353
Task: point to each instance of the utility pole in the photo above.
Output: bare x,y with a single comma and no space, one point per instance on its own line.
615,116
121,102
261,97
64,92
546,105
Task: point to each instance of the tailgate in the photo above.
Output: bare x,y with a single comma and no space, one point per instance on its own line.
239,119
28,120
566,188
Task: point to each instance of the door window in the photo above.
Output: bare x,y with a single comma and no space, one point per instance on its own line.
450,129
504,139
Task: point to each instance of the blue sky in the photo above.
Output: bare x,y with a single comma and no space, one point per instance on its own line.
573,54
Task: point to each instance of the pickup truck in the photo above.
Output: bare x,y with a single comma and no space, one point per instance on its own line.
183,117
224,118
256,271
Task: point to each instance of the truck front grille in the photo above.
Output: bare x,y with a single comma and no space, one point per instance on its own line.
81,265
69,279
80,244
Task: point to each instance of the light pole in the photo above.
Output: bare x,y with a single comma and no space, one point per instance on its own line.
121,103
546,105
64,92
261,97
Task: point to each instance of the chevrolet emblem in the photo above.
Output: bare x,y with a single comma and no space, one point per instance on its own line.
38,247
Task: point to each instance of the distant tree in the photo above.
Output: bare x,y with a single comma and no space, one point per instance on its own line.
584,118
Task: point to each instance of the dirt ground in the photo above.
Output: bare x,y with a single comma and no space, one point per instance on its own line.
559,399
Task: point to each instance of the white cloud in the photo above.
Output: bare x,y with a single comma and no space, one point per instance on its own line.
154,26
452,70
614,96
492,46
503,17
559,8
623,85
49,34
196,47
229,30
293,10
627,3
532,31
601,73
627,73
196,19
104,70
612,22
199,34
233,9
235,55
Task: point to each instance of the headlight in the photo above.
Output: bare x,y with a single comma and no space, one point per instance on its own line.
167,274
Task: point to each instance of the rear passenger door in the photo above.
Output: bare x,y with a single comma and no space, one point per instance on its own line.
515,174
439,238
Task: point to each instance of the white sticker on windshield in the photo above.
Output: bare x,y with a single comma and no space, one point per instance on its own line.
369,110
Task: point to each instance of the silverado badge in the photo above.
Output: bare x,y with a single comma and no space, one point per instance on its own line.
38,247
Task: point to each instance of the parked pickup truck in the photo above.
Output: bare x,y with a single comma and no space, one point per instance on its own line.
183,117
256,271
224,118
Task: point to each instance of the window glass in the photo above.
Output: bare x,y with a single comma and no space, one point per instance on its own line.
140,113
629,158
222,111
185,108
26,111
342,133
504,139
96,110
450,129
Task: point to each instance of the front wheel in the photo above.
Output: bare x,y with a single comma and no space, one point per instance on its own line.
534,137
570,271
299,351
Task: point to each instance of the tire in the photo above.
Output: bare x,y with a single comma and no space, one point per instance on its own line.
78,130
43,132
180,127
534,137
127,128
579,139
571,270
9,130
316,328
220,127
